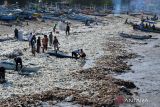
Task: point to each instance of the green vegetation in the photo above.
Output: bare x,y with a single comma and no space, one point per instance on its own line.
82,2
92,2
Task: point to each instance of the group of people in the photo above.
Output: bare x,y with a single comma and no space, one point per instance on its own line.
53,41
145,22
147,25
67,29
154,18
36,44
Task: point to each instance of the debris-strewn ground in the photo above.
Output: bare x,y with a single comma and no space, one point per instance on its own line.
87,82
101,90
116,60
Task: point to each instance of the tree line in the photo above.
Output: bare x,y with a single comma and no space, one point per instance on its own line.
82,2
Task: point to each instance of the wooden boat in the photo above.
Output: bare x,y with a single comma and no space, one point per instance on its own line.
24,71
135,36
59,54
81,18
137,27
8,65
51,17
7,17
28,15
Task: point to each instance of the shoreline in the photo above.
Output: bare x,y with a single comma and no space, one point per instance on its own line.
145,72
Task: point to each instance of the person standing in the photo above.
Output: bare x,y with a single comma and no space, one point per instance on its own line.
96,20
87,23
50,39
33,45
38,44
126,21
56,43
2,74
45,43
30,38
34,48
54,28
16,33
67,29
33,39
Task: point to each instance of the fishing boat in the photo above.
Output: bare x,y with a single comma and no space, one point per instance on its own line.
24,71
80,17
135,36
26,15
50,16
59,54
137,27
7,14
8,17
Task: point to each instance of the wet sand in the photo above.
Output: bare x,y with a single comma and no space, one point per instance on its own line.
146,72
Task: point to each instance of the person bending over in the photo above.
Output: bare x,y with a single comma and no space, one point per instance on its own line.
78,54
18,61
82,54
